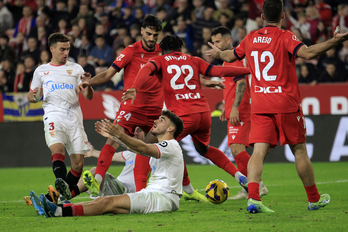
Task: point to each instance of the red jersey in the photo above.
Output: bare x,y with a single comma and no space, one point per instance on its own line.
230,93
271,53
132,58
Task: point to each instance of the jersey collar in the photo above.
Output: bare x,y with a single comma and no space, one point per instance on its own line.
142,45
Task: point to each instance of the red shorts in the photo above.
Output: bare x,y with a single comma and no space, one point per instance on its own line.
238,134
198,126
129,120
288,128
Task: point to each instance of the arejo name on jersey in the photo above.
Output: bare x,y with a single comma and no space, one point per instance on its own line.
52,86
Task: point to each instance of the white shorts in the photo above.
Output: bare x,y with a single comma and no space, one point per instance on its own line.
150,201
73,137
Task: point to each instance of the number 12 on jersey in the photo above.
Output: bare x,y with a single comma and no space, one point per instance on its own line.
269,65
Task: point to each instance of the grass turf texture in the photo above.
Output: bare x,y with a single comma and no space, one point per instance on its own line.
287,198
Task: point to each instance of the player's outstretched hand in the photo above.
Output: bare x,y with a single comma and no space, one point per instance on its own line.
86,76
214,52
82,86
234,116
340,37
129,94
217,84
107,128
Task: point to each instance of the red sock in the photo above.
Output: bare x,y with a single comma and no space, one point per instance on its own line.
69,204
221,160
77,210
186,181
253,189
312,193
141,171
242,160
104,160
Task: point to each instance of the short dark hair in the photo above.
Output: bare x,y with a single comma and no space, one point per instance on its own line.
221,30
152,22
272,10
54,38
4,36
179,125
171,43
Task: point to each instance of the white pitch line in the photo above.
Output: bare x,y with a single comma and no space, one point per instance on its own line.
326,182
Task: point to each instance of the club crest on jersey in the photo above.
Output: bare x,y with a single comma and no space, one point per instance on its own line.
52,133
69,71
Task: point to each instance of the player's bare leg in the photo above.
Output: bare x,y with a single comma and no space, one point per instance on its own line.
242,158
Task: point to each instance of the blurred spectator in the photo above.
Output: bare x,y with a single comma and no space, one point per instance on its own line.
197,12
84,49
161,14
6,19
19,79
9,73
122,32
75,33
225,20
207,21
82,25
29,65
331,74
139,4
33,50
139,16
343,53
253,9
182,10
219,107
3,82
241,34
63,27
300,24
128,40
82,60
73,10
101,54
42,38
321,33
259,23
45,57
84,12
238,22
100,31
306,76
6,51
19,46
160,3
298,34
223,8
40,7
25,24
134,31
128,17
16,9
184,32
329,57
206,34
98,11
341,19
59,14
313,18
324,11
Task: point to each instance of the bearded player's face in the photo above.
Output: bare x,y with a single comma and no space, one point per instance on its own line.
150,37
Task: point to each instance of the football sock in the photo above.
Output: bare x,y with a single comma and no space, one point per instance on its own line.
253,189
312,193
186,180
48,196
58,165
104,161
75,191
141,171
72,210
220,160
188,189
72,178
242,160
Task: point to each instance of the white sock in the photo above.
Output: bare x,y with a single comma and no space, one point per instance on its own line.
237,175
188,189
59,212
99,178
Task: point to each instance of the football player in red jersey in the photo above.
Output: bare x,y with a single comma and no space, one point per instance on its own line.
276,113
236,110
179,75
146,109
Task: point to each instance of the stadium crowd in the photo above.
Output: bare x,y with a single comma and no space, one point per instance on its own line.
100,30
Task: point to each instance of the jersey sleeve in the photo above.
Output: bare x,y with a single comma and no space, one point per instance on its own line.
203,66
292,43
123,59
239,51
147,70
80,72
36,82
164,149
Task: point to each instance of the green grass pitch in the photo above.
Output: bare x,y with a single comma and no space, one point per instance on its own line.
286,197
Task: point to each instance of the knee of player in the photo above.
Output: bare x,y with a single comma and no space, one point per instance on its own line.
77,165
236,148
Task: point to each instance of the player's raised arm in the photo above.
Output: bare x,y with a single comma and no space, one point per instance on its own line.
98,79
320,48
109,130
215,52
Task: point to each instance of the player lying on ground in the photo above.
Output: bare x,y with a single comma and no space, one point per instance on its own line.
165,185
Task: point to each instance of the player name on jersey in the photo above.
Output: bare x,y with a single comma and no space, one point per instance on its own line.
262,39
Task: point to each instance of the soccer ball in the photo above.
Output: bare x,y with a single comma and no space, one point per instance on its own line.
217,191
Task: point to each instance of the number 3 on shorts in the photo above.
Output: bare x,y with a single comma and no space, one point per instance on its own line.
126,116
51,126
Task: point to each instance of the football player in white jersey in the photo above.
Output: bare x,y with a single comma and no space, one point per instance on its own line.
57,81
164,189
111,185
